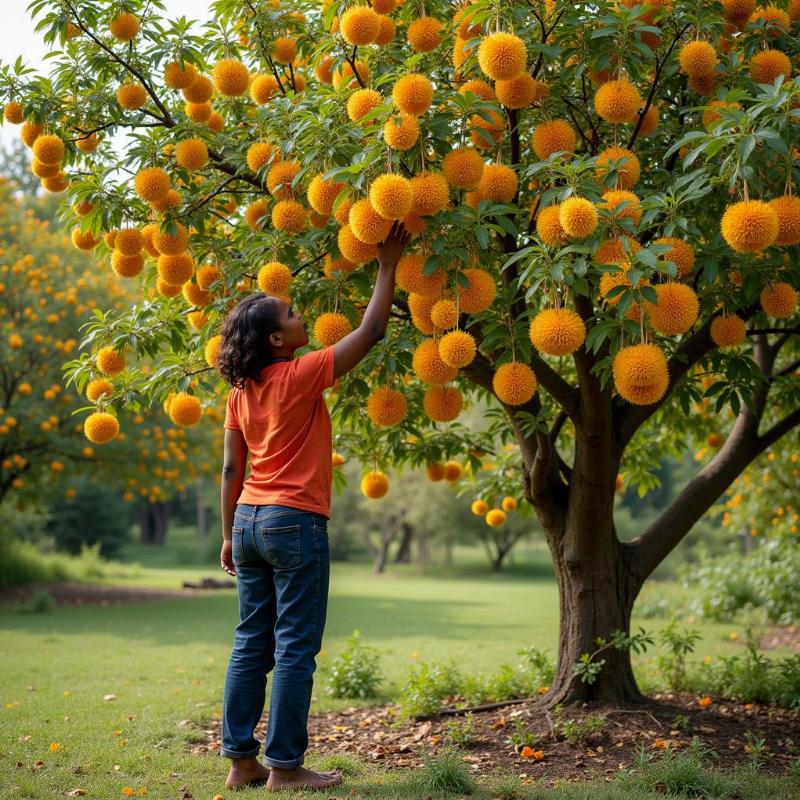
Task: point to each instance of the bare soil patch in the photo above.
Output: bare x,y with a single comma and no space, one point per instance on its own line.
788,636
378,735
78,594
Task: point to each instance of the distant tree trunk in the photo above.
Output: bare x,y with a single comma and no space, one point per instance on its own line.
380,552
153,520
448,552
403,554
202,527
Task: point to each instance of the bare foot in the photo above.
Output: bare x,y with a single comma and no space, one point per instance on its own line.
246,772
301,778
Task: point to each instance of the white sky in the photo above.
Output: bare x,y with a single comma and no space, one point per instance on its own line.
17,37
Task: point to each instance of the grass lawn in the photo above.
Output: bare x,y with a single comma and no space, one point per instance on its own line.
111,685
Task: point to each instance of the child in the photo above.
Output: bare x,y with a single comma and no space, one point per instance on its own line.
274,522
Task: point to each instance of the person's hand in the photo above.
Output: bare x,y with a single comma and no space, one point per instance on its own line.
390,250
226,557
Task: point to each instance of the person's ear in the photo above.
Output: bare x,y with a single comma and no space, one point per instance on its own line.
275,339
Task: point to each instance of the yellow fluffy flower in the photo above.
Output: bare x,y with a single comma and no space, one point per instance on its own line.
428,365
101,427
387,406
779,300
331,327
502,56
514,383
676,309
413,94
374,485
185,410
557,331
457,349
442,403
391,195
553,136
578,217
640,373
728,330
749,226
617,101
462,167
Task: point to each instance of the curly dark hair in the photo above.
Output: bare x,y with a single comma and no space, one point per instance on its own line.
244,350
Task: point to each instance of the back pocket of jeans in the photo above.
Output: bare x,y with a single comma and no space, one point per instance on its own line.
281,545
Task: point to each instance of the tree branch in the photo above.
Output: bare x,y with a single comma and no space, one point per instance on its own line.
629,418
652,93
742,446
167,118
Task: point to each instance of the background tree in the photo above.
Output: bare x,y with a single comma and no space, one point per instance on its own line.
47,288
590,315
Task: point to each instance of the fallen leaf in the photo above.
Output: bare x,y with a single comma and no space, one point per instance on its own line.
109,697
76,793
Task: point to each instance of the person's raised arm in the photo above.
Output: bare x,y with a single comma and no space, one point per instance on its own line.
352,348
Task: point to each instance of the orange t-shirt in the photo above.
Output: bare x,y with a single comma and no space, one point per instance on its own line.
287,428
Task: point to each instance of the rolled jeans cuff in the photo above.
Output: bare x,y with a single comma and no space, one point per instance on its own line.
236,754
293,764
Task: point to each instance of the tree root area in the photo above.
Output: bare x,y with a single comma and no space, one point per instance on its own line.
378,735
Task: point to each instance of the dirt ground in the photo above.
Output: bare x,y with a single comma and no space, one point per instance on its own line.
77,594
379,736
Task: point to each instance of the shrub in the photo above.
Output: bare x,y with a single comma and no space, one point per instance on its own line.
96,515
356,673
41,602
427,686
752,677
764,579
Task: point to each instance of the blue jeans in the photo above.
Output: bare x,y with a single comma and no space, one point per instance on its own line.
282,570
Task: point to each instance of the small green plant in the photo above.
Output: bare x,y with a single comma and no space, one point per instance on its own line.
683,724
678,644
589,666
356,673
537,666
462,733
41,602
509,787
757,751
346,764
679,773
578,731
521,736
426,687
444,772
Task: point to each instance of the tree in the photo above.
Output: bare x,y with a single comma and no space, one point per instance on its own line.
47,286
589,315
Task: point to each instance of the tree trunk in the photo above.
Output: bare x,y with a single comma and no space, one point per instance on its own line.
595,599
153,519
160,513
380,559
403,555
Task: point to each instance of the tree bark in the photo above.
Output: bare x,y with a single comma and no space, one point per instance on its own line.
596,596
403,554
153,519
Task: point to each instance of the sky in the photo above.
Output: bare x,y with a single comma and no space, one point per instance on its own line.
17,37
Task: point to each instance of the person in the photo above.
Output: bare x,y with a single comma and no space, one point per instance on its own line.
274,521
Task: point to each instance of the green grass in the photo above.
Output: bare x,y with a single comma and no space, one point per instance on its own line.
165,663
